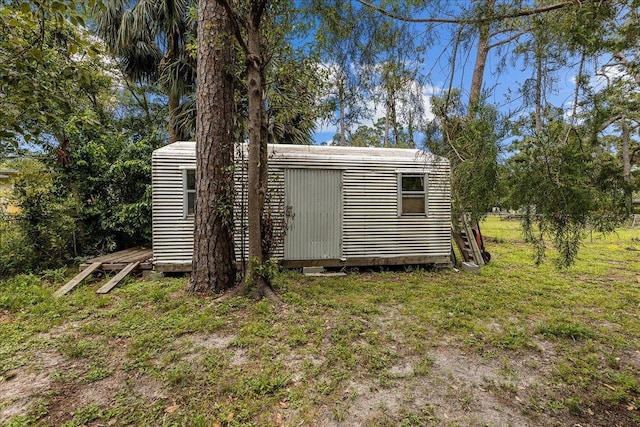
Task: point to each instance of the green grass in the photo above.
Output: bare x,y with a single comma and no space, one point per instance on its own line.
390,348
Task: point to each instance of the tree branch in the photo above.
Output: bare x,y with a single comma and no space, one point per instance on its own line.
610,121
236,23
622,60
257,12
576,94
523,12
505,41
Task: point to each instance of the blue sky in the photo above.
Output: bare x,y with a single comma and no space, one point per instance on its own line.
501,85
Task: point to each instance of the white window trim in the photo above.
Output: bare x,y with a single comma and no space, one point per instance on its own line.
408,172
185,192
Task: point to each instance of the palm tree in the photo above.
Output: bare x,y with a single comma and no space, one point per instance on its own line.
149,39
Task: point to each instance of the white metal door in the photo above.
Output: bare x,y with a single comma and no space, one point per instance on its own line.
313,203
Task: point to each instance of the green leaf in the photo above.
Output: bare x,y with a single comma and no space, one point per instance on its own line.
25,7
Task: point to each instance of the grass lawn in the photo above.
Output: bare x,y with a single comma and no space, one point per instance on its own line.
516,345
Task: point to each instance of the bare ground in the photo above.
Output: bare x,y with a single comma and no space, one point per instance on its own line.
459,389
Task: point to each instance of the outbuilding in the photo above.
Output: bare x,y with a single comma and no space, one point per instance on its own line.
330,206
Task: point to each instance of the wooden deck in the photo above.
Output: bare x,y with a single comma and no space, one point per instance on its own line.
119,260
124,262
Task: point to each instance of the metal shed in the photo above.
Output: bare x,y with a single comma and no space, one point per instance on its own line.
332,206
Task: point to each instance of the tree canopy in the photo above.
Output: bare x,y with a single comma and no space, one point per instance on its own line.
535,103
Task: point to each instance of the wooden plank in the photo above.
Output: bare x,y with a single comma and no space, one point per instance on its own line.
120,256
174,268
119,260
459,241
117,278
471,238
143,255
121,265
145,265
76,280
135,254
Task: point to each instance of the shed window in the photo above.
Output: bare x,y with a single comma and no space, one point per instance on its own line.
412,194
189,180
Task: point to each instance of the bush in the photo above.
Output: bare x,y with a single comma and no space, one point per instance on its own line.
15,251
22,291
40,235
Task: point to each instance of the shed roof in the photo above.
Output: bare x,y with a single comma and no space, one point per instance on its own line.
182,149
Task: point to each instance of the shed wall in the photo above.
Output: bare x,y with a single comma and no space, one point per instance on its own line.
172,232
371,225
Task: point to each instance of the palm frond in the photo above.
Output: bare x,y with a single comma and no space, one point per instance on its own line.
186,119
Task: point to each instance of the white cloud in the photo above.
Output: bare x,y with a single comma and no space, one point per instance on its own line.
377,108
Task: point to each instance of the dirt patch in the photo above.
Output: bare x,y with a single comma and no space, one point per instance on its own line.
6,316
220,342
481,391
18,393
631,358
372,403
403,370
19,388
460,389
457,389
70,397
211,341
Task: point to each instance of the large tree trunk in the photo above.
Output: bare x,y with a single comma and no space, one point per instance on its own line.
256,282
214,266
385,142
342,119
482,52
394,122
626,164
410,129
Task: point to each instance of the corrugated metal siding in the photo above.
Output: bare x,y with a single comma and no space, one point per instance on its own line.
371,226
172,232
313,199
274,203
371,223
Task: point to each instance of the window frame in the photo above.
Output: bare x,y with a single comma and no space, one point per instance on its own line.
186,191
402,194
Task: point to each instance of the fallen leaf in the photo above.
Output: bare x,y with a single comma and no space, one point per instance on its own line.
171,409
216,423
609,387
284,405
230,416
278,419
